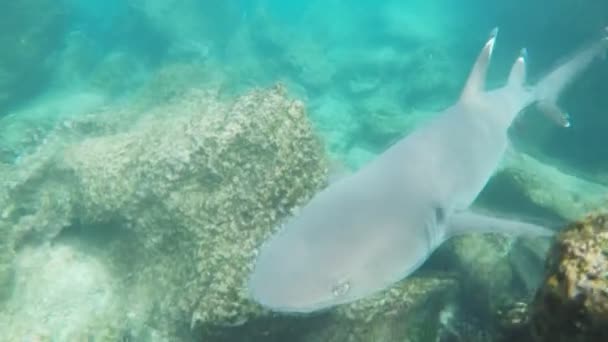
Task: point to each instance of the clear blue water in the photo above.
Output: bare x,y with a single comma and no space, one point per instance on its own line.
367,71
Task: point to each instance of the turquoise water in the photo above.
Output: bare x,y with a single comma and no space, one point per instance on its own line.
122,222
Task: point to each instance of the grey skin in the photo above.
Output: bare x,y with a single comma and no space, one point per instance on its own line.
373,228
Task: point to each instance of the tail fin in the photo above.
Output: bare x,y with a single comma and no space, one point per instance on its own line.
549,87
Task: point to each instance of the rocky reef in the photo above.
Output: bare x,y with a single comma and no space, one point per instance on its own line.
160,205
572,303
409,311
138,220
141,222
182,197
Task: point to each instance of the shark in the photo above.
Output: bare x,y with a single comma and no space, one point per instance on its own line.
369,230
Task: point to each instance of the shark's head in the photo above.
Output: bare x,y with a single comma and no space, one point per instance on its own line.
341,247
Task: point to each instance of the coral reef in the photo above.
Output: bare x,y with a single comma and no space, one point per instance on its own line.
572,303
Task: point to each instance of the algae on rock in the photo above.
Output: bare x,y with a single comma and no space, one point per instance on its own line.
205,187
485,271
192,189
572,303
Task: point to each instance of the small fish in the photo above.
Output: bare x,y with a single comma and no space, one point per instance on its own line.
373,228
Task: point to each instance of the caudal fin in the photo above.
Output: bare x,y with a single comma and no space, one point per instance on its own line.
549,87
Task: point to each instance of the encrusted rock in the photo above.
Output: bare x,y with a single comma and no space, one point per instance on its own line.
572,304
184,196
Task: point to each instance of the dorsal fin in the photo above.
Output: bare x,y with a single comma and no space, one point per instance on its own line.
517,77
476,80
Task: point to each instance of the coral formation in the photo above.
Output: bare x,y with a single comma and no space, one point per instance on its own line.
572,303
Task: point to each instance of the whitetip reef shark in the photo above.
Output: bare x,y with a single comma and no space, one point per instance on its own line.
373,228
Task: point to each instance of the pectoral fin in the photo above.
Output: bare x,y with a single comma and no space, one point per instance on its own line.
473,222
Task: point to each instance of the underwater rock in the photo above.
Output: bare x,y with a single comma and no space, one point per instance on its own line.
527,258
204,182
485,271
549,187
499,275
408,311
572,303
60,294
186,191
30,32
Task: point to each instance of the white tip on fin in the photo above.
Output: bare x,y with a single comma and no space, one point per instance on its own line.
476,80
554,113
517,77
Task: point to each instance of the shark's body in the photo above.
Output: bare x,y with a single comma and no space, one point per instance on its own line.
375,227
